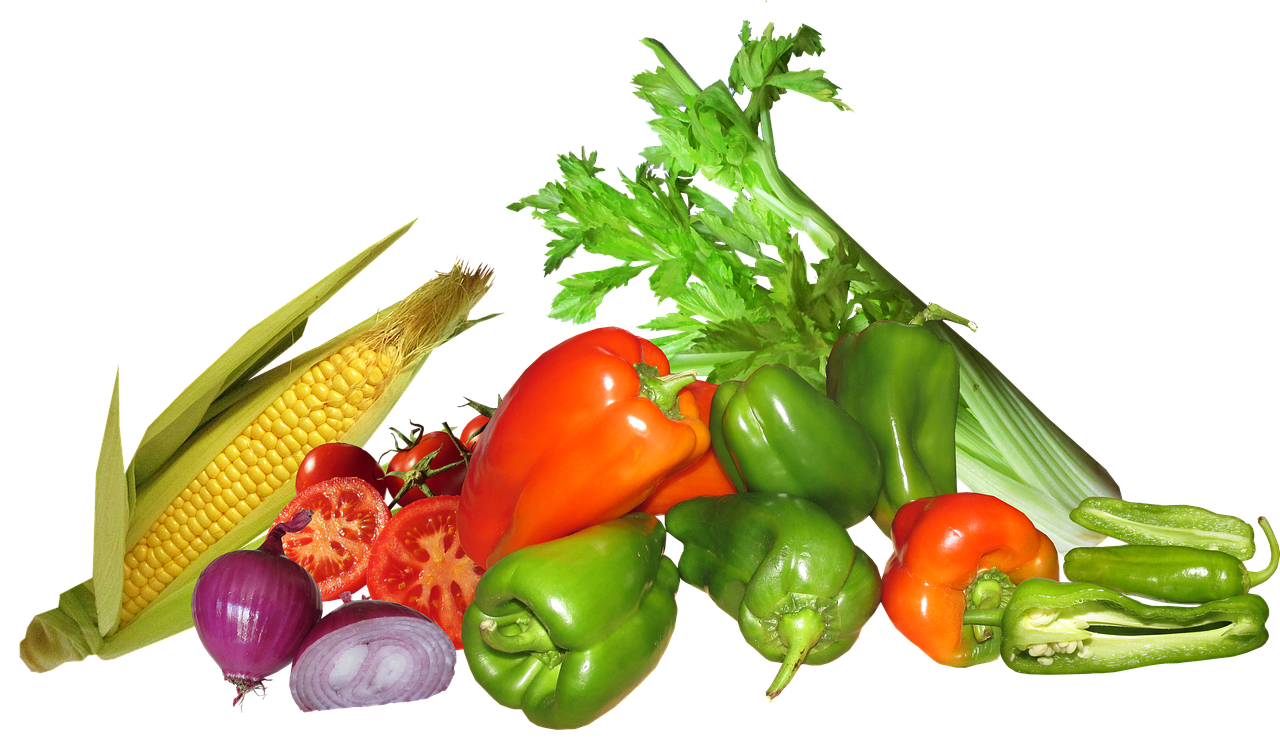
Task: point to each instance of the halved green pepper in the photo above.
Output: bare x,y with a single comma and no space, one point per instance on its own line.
799,587
901,382
775,433
1154,524
566,629
1052,628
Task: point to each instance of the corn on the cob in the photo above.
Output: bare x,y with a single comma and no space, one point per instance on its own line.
191,495
320,407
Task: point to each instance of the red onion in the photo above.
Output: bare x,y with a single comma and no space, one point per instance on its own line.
253,608
369,652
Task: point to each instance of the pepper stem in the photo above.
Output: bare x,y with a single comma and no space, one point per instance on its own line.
519,632
1254,578
935,312
800,632
664,391
984,617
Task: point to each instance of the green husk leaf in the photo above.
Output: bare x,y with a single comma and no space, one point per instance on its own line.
181,418
113,488
68,633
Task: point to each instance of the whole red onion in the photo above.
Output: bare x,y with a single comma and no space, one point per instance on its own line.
369,652
253,608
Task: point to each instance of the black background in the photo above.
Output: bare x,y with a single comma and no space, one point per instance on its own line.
1077,186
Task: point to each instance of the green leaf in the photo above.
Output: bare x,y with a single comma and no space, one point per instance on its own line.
111,513
583,293
270,335
810,82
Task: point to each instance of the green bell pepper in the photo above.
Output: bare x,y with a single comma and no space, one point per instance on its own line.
902,384
799,587
1168,572
1153,524
566,629
1052,627
775,433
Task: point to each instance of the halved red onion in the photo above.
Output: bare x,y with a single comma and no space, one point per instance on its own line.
369,652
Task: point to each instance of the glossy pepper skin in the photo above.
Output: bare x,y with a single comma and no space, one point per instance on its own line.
798,586
775,433
1154,524
584,435
956,552
1169,573
565,630
1052,628
704,476
902,384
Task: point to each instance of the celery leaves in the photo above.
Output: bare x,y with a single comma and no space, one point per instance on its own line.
745,294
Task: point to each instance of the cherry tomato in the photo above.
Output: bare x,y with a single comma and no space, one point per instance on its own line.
334,548
448,482
471,431
417,562
330,460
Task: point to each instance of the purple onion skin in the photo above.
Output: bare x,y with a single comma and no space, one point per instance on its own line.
252,609
353,612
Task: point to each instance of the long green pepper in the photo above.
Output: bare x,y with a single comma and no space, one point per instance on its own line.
1169,573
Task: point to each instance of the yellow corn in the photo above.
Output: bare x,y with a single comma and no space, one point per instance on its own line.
317,408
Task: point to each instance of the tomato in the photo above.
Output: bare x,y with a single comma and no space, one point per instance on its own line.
410,460
334,548
471,431
417,562
331,460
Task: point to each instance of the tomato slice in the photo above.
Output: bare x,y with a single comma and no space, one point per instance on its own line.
418,562
348,514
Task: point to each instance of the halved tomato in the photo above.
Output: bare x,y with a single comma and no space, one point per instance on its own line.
418,562
348,514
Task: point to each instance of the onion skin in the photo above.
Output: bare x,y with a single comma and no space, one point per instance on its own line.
253,608
421,656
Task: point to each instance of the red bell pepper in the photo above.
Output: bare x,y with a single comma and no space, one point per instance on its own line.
703,477
585,435
956,552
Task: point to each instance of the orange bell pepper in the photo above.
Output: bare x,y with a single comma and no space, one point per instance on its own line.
953,553
585,435
703,477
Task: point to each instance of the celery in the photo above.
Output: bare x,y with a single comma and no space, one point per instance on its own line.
740,280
